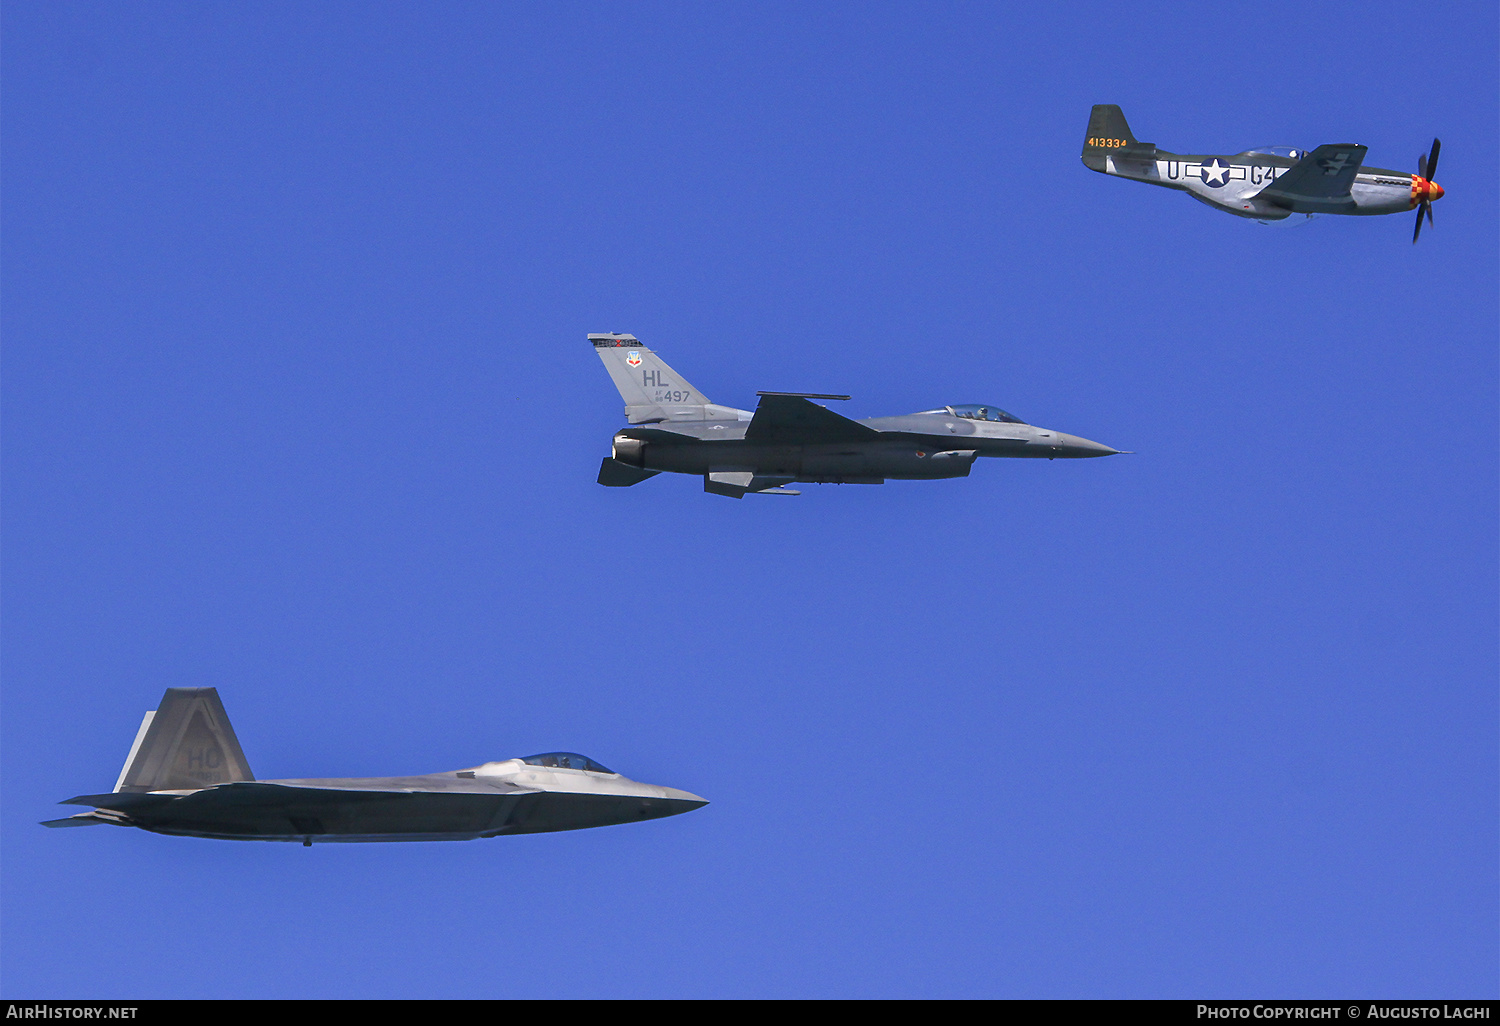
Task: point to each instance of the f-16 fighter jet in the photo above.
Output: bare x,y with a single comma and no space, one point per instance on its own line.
789,438
187,775
1267,184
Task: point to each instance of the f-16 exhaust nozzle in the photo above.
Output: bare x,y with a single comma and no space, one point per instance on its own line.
629,450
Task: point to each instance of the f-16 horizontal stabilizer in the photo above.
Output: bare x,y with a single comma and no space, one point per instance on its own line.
782,419
1319,183
615,473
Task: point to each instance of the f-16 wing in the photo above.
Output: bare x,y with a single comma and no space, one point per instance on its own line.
788,418
1319,182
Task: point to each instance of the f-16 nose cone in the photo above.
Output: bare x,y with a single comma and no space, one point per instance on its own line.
1079,448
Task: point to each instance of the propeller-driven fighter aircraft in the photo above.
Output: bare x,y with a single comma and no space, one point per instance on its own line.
1267,184
187,775
789,438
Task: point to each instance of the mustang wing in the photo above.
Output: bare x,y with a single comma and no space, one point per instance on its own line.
1320,181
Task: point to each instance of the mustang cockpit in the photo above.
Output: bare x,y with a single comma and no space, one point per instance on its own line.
1289,152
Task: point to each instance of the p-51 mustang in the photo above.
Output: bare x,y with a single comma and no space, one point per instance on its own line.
788,438
1267,184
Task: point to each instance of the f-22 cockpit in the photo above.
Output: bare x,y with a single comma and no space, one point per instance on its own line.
566,760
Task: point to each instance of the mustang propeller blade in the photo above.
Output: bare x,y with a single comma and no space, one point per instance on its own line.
1426,170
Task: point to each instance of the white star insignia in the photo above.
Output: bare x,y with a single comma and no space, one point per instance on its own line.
1214,171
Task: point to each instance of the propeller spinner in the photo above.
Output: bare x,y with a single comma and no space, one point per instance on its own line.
1423,189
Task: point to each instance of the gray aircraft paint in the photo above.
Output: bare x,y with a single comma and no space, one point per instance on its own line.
1266,187
788,438
186,775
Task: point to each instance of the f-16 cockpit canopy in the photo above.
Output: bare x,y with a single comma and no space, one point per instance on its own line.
980,411
1277,151
566,760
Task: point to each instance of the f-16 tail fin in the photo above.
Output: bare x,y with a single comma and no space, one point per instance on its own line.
1109,135
652,391
1319,183
186,743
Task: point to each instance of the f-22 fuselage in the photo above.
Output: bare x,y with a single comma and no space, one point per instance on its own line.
187,775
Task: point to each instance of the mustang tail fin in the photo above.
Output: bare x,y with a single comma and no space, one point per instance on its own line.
1108,129
186,743
652,391
1108,136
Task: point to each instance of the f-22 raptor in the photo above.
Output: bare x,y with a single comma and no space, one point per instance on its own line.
1270,183
788,438
186,774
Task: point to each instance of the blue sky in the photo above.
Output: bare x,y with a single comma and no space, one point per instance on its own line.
298,404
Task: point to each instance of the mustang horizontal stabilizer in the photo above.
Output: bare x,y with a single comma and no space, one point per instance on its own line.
1320,182
783,419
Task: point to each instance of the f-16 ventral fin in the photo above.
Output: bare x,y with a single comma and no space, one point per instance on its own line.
1320,182
188,743
792,420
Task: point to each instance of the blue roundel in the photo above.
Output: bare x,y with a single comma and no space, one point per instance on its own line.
1215,173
